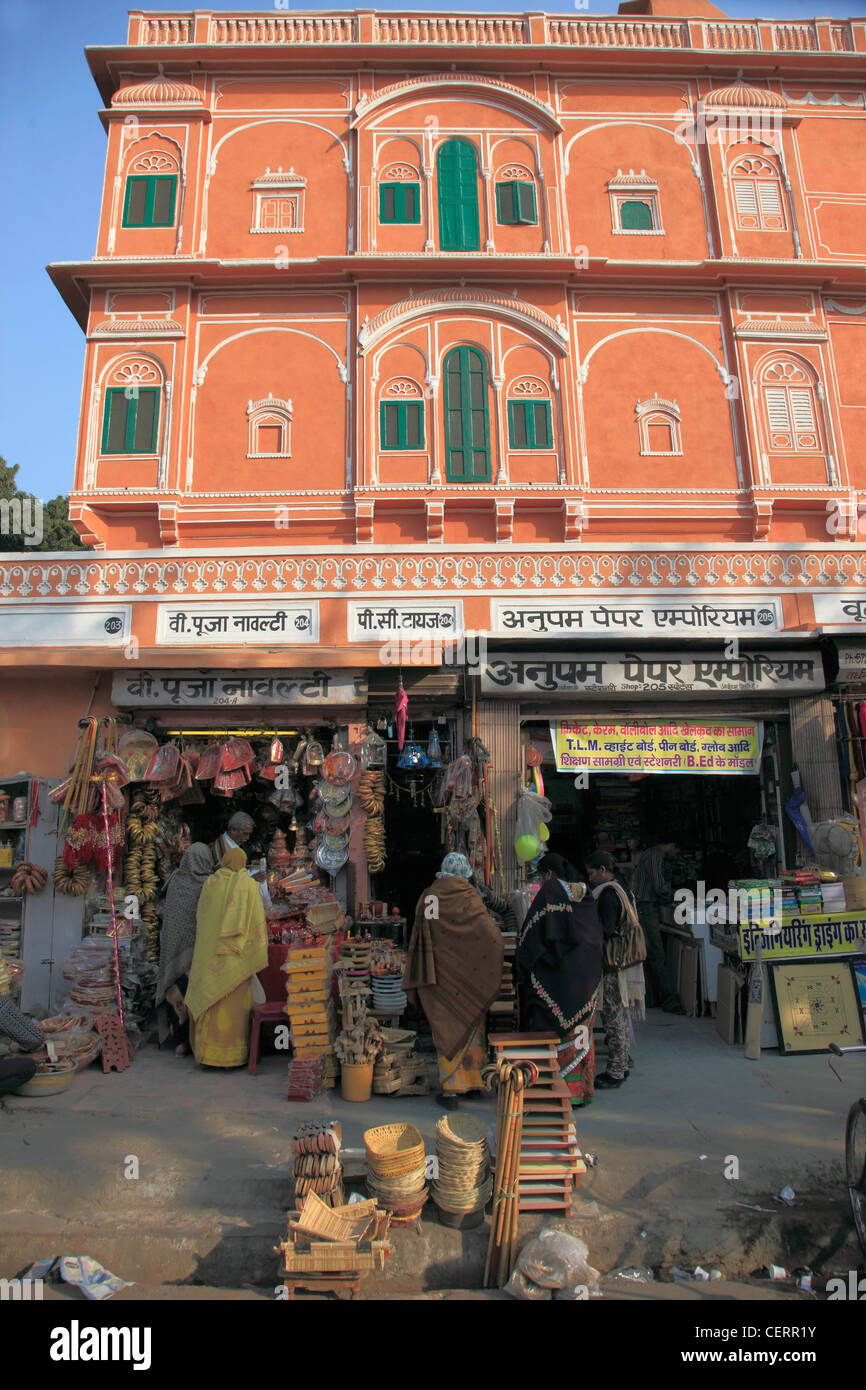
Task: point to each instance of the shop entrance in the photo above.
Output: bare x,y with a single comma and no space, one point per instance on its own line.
709,816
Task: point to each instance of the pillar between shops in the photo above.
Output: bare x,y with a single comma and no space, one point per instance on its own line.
816,756
499,731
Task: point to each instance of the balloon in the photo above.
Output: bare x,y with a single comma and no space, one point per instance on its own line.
543,834
526,847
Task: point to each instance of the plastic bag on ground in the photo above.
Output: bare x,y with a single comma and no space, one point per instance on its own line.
521,1287
557,1260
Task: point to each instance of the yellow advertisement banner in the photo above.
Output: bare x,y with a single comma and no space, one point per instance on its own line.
830,934
705,746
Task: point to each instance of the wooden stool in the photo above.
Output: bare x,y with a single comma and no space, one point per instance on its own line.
272,1012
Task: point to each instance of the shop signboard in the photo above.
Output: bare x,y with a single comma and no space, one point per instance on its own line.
692,616
852,663
414,618
709,746
844,611
208,689
236,624
651,673
65,624
830,934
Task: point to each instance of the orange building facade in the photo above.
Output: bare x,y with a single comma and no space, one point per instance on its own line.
426,324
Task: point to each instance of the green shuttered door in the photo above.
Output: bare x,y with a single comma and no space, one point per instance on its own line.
457,170
467,431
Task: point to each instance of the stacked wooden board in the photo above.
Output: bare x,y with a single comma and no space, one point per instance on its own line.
550,1158
312,1017
502,1014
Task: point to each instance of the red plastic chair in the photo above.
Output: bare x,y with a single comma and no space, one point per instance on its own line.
273,982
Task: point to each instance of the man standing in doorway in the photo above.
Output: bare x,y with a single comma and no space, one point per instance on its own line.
652,891
235,836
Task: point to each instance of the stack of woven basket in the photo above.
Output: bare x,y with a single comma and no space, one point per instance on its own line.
464,1184
396,1169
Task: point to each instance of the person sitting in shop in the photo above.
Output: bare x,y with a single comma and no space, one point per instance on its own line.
652,890
496,906
19,1034
231,947
177,937
622,990
454,968
559,955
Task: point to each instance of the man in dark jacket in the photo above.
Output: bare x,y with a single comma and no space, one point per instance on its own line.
652,891
18,1034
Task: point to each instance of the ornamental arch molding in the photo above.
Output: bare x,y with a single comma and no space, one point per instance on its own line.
278,120
583,369
201,370
483,88
645,125
516,312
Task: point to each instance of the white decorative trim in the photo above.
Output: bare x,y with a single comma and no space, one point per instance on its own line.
270,411
137,328
554,568
368,104
517,310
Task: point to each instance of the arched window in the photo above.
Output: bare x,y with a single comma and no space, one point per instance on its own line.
130,418
467,424
658,423
400,194
756,187
270,422
530,422
151,190
457,172
790,409
401,415
515,197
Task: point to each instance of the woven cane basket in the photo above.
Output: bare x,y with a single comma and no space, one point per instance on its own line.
393,1151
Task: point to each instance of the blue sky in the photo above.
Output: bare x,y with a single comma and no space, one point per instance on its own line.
53,152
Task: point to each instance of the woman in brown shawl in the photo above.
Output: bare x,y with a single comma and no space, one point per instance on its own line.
559,952
454,966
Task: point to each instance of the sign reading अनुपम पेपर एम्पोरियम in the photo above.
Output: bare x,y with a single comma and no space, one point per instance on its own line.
706,746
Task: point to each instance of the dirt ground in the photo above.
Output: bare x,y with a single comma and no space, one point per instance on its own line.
178,1179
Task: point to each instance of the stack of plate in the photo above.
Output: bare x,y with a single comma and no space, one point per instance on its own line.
388,995
396,1169
465,1183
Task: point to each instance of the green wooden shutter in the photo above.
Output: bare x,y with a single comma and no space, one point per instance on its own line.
129,424
635,216
506,209
149,200
135,202
401,425
467,427
526,211
529,425
457,170
399,202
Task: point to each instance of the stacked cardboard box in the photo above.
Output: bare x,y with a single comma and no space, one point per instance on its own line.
312,1016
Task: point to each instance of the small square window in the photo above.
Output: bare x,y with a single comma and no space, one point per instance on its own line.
399,202
401,424
130,422
529,425
149,200
515,203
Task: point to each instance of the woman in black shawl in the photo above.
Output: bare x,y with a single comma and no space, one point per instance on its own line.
559,953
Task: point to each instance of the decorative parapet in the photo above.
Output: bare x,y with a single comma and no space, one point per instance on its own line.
484,31
150,574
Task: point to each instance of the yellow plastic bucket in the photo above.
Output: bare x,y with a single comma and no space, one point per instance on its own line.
356,1080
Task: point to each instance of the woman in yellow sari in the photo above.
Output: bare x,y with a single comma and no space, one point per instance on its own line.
231,946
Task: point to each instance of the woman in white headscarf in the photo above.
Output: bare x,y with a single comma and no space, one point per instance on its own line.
454,967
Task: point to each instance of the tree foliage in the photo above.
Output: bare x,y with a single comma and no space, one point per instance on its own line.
58,533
